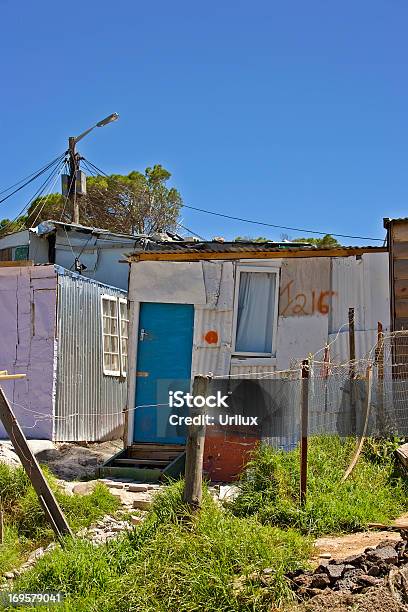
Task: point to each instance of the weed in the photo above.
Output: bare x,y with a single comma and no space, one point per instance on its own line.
269,489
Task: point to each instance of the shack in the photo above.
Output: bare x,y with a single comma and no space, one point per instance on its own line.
68,334
237,309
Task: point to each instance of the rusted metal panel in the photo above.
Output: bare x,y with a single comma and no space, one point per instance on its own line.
89,404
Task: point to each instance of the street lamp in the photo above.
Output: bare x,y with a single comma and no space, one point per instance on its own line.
74,162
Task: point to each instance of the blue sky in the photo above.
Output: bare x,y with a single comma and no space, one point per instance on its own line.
293,113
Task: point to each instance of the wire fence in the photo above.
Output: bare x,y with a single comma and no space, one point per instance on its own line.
359,397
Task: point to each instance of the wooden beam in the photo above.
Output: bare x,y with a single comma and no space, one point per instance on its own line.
19,264
31,466
231,256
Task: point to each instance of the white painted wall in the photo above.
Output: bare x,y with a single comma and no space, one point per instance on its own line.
316,294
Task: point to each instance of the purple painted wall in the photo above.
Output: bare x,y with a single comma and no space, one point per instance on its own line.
27,336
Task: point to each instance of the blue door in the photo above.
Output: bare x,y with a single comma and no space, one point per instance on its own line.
164,352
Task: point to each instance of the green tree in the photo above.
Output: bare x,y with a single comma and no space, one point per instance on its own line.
136,203
326,241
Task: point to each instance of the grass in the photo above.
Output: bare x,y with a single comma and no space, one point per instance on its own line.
269,488
175,561
212,560
26,527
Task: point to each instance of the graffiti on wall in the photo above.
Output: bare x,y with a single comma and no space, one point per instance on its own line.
305,287
304,302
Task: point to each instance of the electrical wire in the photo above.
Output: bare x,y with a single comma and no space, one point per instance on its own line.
43,186
38,174
28,176
262,223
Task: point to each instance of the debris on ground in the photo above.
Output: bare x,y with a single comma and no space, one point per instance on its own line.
376,578
68,461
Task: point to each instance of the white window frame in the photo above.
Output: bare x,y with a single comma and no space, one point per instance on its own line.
255,269
121,371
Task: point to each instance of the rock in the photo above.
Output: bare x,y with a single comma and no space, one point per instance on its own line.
374,570
85,488
138,488
386,554
36,554
325,555
319,581
335,571
142,503
113,485
228,493
355,559
367,580
9,575
136,520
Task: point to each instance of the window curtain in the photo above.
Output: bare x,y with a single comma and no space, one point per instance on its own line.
256,303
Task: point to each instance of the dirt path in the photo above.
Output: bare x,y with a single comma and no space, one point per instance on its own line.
343,546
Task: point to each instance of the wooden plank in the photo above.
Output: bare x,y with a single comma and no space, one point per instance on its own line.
399,231
401,308
142,461
31,466
400,269
401,324
401,289
400,250
12,376
282,254
19,264
152,446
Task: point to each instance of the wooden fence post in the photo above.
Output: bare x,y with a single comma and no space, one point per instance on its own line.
46,497
193,487
304,425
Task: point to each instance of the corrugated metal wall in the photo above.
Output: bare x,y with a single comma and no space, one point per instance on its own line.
88,404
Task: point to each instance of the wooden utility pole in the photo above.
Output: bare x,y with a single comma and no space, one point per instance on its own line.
304,426
73,168
352,368
31,466
195,448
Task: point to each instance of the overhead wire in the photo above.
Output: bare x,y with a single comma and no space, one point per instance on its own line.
261,223
28,176
40,190
55,162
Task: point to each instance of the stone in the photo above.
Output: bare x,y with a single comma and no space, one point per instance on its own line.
355,559
142,503
114,485
387,554
9,575
36,554
367,580
374,570
319,581
136,520
85,488
325,555
335,571
138,488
